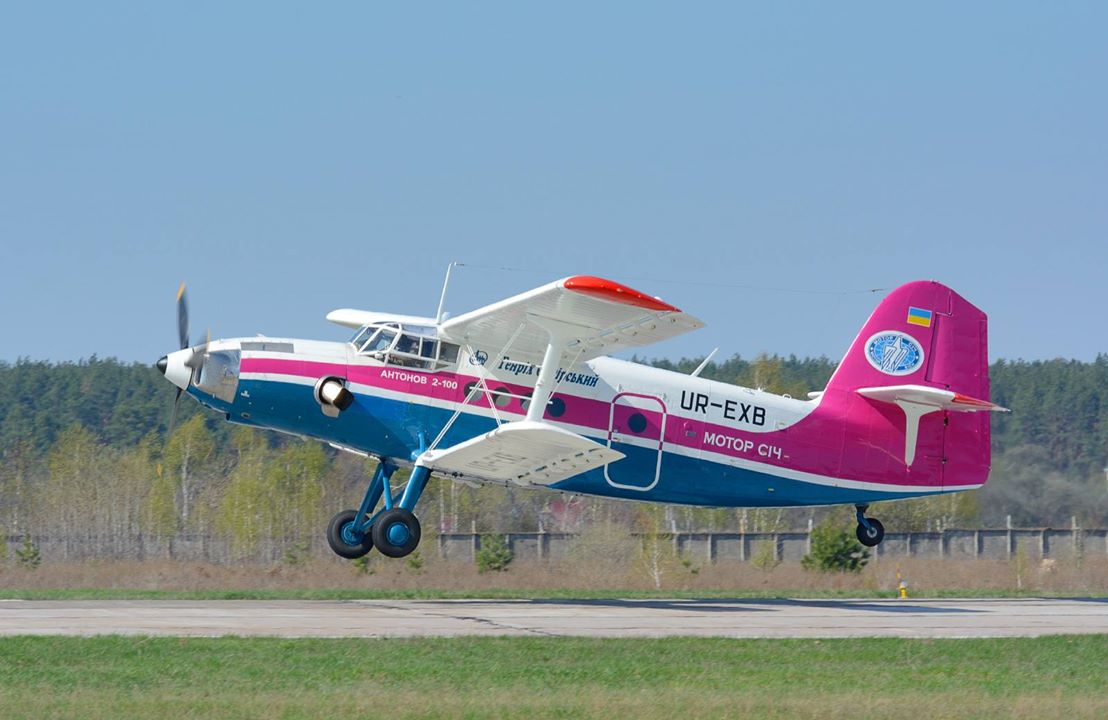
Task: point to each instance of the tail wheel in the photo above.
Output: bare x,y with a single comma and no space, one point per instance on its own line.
396,532
344,540
873,535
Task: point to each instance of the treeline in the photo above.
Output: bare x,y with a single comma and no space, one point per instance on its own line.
84,463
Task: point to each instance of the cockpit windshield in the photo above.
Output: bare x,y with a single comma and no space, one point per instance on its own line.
414,346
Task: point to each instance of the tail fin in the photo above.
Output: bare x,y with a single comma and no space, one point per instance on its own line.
922,333
924,350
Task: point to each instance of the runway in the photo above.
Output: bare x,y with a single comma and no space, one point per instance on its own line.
593,618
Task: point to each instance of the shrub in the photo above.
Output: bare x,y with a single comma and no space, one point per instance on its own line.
363,566
765,557
28,555
297,553
835,549
494,555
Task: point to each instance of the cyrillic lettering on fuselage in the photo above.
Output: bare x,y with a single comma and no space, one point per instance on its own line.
570,376
717,441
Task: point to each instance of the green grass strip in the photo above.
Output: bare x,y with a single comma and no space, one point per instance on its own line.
115,677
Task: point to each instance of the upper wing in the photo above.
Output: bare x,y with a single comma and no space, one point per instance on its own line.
606,316
524,452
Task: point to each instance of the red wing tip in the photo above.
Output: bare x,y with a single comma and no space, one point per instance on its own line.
615,292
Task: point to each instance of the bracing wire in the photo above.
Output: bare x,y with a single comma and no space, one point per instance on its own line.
697,283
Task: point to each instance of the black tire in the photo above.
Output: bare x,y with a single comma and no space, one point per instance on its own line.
873,536
396,532
342,545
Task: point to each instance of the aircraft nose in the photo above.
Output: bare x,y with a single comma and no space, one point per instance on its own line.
175,369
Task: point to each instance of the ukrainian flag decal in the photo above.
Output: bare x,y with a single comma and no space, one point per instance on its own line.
918,316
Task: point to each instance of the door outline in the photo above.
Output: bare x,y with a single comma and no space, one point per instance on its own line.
661,439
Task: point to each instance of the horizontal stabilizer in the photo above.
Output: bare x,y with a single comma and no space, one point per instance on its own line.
919,400
524,452
929,396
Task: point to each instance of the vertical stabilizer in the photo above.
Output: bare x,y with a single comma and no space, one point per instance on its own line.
909,378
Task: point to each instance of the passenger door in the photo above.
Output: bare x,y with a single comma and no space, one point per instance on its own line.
636,427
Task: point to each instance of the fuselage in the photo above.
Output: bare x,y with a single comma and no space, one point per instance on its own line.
686,439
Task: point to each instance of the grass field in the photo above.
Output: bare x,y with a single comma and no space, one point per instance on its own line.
114,677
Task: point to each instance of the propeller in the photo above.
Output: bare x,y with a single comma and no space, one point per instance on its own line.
199,351
183,341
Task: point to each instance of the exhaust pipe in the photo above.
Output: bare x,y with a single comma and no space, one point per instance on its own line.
332,396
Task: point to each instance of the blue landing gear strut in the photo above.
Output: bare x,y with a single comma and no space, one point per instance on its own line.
870,531
394,530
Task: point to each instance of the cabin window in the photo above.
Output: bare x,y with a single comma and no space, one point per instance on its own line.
556,408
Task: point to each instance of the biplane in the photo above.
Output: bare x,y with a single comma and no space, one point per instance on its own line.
523,392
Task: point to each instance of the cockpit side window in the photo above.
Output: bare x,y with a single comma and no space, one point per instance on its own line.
448,353
381,341
362,335
407,346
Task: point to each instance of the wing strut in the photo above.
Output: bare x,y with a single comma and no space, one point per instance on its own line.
560,333
479,387
528,451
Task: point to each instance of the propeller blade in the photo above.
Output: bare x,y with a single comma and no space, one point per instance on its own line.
182,317
173,415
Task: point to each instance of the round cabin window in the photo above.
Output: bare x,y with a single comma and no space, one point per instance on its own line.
556,408
637,423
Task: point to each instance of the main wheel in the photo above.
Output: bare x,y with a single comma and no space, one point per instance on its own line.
344,540
396,532
873,535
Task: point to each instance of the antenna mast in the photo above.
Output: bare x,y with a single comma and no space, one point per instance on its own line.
442,297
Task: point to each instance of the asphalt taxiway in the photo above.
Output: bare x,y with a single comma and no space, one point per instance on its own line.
742,618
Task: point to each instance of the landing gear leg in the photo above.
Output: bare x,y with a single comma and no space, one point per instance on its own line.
870,531
349,534
393,530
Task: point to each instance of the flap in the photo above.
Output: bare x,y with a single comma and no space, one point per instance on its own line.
604,317
524,452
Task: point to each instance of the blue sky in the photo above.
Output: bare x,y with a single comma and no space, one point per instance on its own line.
286,160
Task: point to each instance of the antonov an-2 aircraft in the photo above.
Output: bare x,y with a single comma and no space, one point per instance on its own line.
522,392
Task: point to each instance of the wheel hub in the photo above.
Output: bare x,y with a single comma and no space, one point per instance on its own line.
398,534
349,535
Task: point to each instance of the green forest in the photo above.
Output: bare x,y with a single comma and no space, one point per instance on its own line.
86,466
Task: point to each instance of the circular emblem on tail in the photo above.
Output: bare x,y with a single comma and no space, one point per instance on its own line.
894,353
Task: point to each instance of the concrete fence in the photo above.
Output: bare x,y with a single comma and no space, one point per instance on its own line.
1034,543
707,547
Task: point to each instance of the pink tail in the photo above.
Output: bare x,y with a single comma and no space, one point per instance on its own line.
923,342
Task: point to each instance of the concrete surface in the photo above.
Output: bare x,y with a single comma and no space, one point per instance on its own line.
598,618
